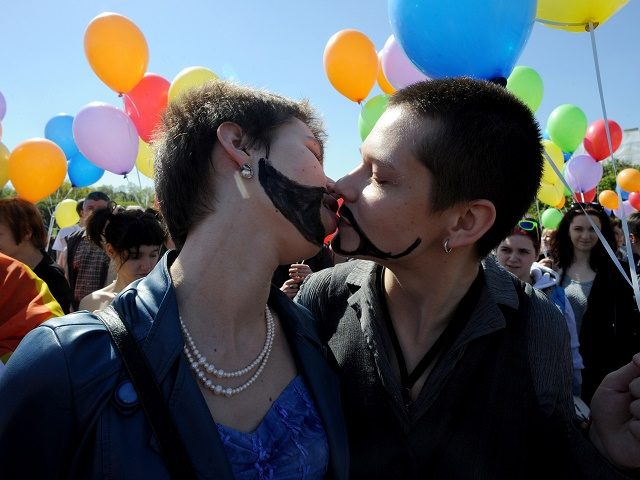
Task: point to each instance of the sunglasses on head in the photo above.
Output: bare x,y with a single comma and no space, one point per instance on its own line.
528,225
583,205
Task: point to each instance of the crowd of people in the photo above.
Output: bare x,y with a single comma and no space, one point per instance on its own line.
405,350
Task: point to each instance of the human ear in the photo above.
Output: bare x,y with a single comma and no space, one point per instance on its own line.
474,219
230,140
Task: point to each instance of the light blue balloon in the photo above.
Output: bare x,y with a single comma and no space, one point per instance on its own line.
82,172
451,38
58,130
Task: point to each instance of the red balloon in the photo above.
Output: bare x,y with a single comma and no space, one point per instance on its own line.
585,197
634,200
595,141
146,102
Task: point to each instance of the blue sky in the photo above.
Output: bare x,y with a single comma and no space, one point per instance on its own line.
277,45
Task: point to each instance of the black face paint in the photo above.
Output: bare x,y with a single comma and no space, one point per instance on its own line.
299,204
366,246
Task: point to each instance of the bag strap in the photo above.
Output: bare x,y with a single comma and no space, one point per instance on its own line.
153,404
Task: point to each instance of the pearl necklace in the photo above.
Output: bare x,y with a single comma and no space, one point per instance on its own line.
196,360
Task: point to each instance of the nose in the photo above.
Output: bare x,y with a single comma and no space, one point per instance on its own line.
347,187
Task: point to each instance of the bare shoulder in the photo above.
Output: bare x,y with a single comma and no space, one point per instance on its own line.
97,300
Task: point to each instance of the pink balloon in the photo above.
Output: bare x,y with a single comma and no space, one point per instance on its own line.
107,137
583,173
397,67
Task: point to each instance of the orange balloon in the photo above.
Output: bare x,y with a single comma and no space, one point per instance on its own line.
351,64
608,199
561,203
383,83
117,51
37,168
629,180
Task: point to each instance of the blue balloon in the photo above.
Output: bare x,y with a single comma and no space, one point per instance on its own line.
58,130
566,155
624,195
82,172
451,38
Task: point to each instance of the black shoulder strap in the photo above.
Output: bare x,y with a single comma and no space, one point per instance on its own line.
151,398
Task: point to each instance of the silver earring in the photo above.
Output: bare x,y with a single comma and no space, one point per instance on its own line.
447,248
246,171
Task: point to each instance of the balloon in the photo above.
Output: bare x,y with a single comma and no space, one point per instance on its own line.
58,130
397,67
595,140
634,200
107,137
554,152
117,51
351,64
629,179
463,37
549,193
608,199
583,173
383,83
3,106
551,218
526,84
82,172
37,168
370,114
66,214
567,125
584,197
4,165
189,78
561,203
145,159
146,102
625,209
574,15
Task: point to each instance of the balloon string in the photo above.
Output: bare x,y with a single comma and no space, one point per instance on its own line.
623,215
565,24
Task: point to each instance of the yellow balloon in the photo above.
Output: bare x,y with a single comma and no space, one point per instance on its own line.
4,165
351,64
37,168
189,78
383,83
66,214
145,159
555,153
117,51
550,194
609,199
575,15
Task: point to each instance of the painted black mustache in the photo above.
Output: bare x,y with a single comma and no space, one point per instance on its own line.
366,247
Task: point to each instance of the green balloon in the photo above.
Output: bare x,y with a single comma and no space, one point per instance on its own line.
551,218
526,84
567,126
370,114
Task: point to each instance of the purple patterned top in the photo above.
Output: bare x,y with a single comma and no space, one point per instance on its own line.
289,443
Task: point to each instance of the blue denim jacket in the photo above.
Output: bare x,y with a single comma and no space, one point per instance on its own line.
68,410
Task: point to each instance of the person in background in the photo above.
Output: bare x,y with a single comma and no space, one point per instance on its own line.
545,246
288,277
87,264
25,302
620,250
633,222
60,243
607,319
516,254
23,237
239,179
132,239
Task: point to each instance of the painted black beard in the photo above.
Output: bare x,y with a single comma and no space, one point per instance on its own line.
366,247
299,204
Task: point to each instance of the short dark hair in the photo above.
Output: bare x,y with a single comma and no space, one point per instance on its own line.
79,206
562,248
633,222
126,231
485,144
21,217
188,133
97,195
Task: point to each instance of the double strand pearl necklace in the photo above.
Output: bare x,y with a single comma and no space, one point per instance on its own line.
197,360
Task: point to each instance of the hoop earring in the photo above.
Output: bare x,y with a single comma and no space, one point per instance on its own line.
447,248
246,171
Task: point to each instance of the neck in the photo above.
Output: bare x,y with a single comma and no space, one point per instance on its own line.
580,257
30,256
